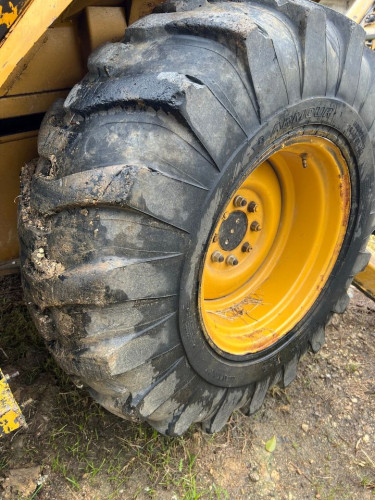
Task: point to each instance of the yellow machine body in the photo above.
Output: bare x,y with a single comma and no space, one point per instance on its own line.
11,417
365,280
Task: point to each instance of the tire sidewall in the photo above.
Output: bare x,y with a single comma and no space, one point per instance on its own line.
342,121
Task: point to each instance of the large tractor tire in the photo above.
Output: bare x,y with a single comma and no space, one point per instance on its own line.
201,203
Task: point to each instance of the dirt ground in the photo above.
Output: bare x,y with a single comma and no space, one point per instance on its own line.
323,425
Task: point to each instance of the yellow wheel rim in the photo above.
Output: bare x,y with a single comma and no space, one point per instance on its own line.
274,246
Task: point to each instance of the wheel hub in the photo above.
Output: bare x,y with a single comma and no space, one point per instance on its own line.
274,245
232,230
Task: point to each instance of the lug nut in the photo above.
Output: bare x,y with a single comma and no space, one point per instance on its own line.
240,201
232,260
246,247
252,207
255,226
304,160
217,257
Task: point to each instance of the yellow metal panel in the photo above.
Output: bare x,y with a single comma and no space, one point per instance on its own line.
370,31
105,24
57,64
11,417
29,104
10,11
8,18
78,6
141,8
25,32
359,9
9,267
15,151
365,280
54,64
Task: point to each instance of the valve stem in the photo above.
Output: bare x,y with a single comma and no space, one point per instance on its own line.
304,160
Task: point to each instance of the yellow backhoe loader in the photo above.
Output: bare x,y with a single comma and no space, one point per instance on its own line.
195,191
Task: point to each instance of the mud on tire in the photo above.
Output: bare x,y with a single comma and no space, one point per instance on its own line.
112,224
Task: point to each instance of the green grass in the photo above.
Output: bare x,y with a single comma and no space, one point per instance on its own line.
84,450
77,440
352,368
166,464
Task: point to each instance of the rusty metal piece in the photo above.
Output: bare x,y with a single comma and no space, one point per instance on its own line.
240,201
252,207
233,230
255,226
246,247
217,257
304,160
11,417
